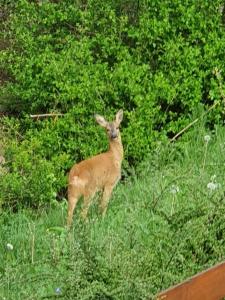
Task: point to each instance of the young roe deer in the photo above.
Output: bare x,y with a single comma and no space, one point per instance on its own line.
98,173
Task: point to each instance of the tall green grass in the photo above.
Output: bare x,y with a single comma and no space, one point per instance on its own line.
162,226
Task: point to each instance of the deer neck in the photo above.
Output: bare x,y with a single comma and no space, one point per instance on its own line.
116,148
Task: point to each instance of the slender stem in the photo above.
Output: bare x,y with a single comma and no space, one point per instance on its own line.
32,249
205,154
193,122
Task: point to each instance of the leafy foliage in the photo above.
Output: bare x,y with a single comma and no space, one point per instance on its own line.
154,59
161,227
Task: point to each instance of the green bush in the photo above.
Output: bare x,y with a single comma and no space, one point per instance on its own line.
30,180
154,59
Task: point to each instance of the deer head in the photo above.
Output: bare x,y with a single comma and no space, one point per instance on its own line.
112,128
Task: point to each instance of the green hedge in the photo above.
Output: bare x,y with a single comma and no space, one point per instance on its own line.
154,59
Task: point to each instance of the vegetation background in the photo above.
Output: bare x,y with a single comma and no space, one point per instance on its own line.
163,63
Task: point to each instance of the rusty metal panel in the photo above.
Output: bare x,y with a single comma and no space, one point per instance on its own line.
207,285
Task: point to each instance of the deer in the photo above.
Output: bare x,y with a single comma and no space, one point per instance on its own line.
98,173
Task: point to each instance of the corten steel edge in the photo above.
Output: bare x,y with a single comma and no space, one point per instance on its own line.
207,285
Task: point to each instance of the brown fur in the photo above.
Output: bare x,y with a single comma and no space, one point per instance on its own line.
99,173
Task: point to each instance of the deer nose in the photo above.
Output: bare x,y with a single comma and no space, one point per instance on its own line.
113,135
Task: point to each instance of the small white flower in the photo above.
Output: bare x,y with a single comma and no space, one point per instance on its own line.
174,189
58,290
212,186
9,246
207,138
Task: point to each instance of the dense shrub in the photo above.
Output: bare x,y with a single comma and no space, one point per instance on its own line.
154,59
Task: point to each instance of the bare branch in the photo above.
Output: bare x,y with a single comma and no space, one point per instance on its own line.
45,115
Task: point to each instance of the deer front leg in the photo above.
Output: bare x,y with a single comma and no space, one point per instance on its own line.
105,199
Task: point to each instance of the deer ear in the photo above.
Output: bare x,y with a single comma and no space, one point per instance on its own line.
101,120
119,116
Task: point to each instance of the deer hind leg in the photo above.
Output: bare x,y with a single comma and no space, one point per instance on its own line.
105,199
73,197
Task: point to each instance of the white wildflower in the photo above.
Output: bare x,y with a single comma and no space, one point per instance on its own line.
174,189
9,246
58,290
212,186
207,138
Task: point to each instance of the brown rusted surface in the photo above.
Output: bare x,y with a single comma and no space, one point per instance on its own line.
207,285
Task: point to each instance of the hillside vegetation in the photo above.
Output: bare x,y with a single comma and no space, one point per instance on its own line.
160,61
160,228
